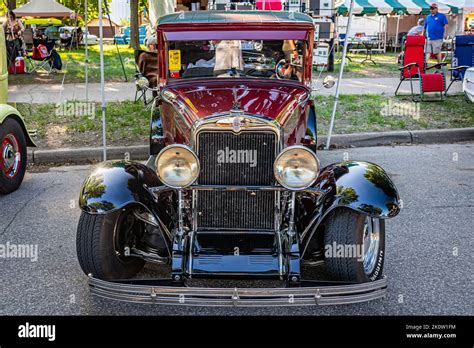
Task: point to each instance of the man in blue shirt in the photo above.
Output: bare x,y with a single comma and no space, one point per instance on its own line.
436,28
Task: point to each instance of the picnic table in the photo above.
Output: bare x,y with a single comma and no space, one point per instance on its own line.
366,44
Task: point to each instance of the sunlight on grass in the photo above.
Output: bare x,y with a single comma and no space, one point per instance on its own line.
386,65
74,64
364,113
128,123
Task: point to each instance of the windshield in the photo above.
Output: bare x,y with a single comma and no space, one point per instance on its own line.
272,59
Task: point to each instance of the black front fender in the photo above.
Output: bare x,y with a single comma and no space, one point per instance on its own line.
116,184
362,186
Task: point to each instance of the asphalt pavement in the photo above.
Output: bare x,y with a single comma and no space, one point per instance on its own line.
429,247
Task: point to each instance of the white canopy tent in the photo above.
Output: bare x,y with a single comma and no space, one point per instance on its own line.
385,7
160,8
43,9
466,6
399,8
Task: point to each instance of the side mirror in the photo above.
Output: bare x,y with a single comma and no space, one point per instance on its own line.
329,81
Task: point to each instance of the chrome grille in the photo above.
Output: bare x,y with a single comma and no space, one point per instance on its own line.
236,209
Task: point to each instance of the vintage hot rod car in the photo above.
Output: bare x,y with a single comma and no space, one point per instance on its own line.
14,137
233,193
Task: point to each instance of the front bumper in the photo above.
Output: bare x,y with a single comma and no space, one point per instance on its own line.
164,292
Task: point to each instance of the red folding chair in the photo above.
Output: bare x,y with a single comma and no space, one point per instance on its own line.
414,68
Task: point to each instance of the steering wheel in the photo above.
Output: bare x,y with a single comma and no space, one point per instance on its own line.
260,69
280,69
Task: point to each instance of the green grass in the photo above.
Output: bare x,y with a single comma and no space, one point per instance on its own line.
386,65
128,123
74,66
371,113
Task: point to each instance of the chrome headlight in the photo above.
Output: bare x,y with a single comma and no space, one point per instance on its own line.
296,168
177,166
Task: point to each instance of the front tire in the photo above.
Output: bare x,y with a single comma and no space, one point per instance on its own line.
99,249
13,156
348,231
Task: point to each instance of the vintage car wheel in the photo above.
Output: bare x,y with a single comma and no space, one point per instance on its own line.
12,156
345,227
100,245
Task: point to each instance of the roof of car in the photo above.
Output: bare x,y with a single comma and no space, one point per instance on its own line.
229,17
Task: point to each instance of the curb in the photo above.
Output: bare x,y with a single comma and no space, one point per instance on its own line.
141,152
431,136
87,155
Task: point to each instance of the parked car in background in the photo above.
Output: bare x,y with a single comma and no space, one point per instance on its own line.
90,38
124,37
233,189
14,137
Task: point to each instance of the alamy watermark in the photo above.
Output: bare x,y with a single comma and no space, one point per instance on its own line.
237,156
336,250
408,109
19,251
76,109
28,330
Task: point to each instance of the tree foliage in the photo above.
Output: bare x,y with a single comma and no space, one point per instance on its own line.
76,5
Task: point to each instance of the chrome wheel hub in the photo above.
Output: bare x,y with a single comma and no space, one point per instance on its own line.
371,244
11,156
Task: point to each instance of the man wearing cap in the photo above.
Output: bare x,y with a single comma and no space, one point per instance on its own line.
436,29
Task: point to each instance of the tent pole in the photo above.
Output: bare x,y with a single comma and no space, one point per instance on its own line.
102,82
116,46
396,35
341,72
87,52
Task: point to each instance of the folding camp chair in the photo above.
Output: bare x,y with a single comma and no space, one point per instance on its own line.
146,65
463,57
13,51
39,60
414,68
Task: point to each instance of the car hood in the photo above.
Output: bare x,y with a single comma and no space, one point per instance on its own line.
272,99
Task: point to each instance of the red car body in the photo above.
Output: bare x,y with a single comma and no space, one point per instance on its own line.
287,102
236,218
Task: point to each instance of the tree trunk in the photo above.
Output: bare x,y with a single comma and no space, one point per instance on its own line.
11,4
134,42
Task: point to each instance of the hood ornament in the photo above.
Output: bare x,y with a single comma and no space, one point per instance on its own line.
236,107
238,121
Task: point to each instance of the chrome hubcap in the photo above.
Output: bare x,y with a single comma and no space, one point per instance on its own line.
11,156
371,244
